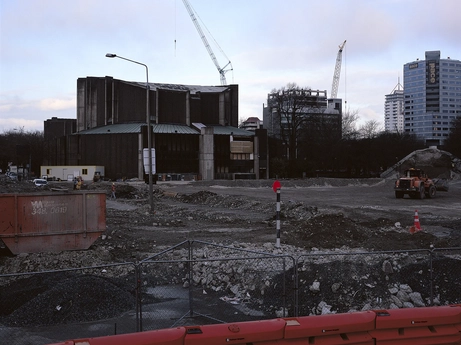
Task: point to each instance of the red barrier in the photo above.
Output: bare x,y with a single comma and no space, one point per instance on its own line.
331,329
169,336
236,333
411,326
418,326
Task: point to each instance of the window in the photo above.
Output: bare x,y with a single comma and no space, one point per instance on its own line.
84,171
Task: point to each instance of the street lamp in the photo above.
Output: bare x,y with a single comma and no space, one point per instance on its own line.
149,133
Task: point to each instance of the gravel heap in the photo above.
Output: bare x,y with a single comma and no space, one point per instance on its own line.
63,298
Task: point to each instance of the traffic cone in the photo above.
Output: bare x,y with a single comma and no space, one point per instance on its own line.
416,227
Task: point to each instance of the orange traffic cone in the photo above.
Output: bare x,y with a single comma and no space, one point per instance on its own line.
416,227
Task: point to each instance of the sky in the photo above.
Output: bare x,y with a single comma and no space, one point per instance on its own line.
46,45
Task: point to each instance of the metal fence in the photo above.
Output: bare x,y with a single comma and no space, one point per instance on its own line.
196,283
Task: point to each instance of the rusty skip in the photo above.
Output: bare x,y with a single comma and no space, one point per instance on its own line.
50,222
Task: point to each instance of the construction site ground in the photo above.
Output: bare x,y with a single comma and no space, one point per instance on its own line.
316,214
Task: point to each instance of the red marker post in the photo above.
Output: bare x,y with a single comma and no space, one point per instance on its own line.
276,186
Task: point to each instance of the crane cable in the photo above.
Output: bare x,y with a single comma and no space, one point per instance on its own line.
175,28
345,80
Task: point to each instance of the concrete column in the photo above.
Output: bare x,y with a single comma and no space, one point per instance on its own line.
140,158
206,153
188,108
222,110
256,155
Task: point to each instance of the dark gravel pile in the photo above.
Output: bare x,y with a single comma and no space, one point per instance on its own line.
40,300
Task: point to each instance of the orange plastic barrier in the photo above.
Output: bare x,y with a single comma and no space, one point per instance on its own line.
412,326
236,333
331,329
169,336
418,326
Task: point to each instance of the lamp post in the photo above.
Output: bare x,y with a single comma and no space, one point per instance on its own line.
149,133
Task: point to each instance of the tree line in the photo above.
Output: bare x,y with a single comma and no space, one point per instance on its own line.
22,148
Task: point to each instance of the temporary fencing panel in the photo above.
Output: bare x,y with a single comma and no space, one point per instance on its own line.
331,329
236,333
434,325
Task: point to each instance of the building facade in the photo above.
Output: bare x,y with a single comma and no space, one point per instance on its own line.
393,110
432,96
309,105
251,124
194,131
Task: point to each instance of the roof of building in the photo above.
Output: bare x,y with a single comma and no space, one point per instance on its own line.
179,87
172,128
115,129
229,130
126,128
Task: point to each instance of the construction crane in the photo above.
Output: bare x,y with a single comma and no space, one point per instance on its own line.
222,71
335,84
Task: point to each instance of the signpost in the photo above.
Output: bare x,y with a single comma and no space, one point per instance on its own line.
276,186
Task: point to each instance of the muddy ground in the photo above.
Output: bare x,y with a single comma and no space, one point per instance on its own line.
316,215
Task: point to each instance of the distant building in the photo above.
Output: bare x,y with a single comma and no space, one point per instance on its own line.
251,124
432,93
394,109
316,108
53,129
305,114
195,131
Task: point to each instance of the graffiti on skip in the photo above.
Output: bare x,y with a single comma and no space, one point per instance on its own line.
47,207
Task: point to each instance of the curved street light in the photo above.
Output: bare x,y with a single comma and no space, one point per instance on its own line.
149,134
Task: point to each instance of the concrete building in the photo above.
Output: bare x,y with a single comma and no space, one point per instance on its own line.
251,124
53,129
194,131
311,106
432,94
393,110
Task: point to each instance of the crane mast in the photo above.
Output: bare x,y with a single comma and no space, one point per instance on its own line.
335,84
222,71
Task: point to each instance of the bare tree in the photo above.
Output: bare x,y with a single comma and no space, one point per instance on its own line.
370,129
293,108
349,120
453,142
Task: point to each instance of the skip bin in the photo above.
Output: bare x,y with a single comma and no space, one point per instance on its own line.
331,329
49,222
430,325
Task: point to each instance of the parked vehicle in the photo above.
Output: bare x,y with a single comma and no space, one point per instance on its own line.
12,175
39,182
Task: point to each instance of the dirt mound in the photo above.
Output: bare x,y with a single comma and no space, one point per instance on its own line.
64,298
435,163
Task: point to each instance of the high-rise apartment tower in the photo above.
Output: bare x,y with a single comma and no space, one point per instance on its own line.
432,94
393,110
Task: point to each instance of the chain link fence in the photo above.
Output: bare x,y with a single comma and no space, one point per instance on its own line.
201,283
197,283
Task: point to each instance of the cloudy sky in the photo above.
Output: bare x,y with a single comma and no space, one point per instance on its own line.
46,45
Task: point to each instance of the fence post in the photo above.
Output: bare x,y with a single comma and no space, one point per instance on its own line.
138,299
189,268
431,274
